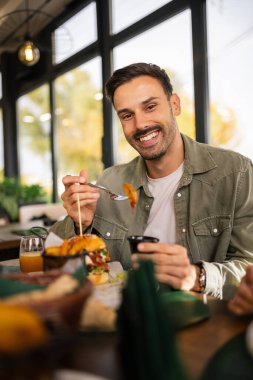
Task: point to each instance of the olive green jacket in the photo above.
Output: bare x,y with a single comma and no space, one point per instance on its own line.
213,207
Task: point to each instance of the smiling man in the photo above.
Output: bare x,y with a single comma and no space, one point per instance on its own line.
197,199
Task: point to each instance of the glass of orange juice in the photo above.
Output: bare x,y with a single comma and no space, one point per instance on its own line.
31,248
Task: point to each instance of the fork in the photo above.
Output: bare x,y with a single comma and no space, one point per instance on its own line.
113,196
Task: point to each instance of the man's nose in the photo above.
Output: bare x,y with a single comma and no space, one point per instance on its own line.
141,121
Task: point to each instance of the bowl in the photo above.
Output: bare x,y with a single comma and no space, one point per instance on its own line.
65,312
62,306
65,263
134,240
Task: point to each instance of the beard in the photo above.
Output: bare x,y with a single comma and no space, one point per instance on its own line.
154,156
155,153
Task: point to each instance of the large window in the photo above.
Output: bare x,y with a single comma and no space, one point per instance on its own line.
78,116
34,138
125,13
164,39
78,32
230,43
172,54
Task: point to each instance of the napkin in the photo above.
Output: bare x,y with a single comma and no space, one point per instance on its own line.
10,287
147,334
184,308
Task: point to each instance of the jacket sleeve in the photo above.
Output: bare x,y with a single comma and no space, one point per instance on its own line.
65,229
222,279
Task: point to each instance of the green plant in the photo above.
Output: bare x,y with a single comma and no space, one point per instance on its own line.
13,193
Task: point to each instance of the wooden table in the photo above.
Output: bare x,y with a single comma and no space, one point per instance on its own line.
98,352
199,342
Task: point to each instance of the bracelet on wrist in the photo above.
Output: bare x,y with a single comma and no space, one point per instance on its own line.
201,277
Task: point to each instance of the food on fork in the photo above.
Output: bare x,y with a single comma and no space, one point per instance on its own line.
131,192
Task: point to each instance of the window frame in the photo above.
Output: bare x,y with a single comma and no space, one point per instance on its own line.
103,47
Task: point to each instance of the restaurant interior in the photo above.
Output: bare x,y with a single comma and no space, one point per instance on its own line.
55,59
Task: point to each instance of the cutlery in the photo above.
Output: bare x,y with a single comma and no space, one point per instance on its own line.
113,196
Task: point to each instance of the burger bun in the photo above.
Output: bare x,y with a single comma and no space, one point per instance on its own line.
98,278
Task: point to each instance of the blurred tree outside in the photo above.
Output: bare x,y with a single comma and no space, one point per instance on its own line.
223,125
78,121
222,121
35,132
79,124
34,138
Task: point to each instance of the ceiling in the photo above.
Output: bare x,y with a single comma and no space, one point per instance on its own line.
14,15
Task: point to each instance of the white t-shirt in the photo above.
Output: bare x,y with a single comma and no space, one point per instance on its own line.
161,221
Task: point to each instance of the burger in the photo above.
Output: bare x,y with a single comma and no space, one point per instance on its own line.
97,258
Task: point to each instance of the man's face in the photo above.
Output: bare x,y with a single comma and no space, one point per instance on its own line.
146,115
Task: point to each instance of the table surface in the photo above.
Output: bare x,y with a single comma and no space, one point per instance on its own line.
98,352
196,345
9,263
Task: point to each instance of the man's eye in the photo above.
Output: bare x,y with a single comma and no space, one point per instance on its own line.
150,107
126,116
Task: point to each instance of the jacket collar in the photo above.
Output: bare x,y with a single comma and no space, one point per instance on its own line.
197,160
140,178
197,156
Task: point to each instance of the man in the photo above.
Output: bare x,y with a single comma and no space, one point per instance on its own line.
198,200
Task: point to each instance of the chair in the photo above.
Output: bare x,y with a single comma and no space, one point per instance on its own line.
54,211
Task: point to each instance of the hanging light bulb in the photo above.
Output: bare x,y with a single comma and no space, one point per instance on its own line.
28,53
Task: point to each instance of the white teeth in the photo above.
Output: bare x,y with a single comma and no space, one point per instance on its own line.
149,137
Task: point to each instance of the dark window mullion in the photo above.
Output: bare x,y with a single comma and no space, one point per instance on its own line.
200,69
53,142
103,25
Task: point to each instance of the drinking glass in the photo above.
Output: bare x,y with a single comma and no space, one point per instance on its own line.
31,248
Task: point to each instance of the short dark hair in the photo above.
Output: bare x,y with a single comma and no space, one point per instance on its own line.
135,70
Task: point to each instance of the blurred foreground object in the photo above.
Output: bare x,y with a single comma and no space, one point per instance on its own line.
96,316
21,329
57,297
147,334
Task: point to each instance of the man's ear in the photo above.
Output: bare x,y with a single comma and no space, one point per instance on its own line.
175,104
